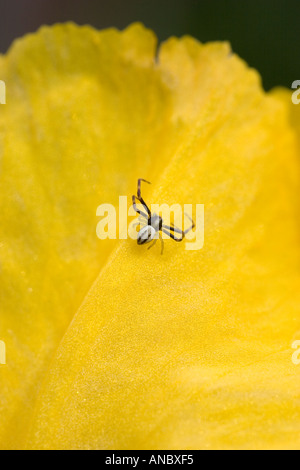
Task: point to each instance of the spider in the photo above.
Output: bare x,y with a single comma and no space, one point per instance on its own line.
154,223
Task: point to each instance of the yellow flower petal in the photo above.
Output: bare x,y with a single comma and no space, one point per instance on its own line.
72,137
288,97
191,349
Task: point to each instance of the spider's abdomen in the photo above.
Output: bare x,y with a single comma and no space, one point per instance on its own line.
146,234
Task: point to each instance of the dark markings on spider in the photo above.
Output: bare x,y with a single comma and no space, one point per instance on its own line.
154,223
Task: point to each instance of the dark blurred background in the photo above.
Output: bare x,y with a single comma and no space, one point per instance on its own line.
263,32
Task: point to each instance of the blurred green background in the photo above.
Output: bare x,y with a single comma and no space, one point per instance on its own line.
263,32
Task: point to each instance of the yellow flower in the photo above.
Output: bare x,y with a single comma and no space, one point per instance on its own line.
111,346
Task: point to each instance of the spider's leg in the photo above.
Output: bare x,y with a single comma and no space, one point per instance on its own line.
152,244
141,221
139,186
166,230
139,195
177,230
138,210
192,226
193,223
171,232
172,228
162,243
141,200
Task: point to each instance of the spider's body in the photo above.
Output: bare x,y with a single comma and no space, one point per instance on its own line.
149,231
154,223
